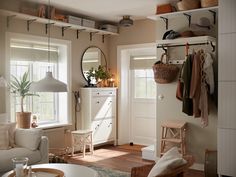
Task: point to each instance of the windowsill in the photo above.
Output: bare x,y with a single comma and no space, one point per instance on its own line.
53,125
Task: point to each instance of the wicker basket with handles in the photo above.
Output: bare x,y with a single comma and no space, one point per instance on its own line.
164,72
209,3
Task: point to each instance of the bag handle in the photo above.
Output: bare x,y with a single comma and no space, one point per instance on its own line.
162,56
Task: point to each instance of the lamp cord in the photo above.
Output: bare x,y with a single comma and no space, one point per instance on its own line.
49,33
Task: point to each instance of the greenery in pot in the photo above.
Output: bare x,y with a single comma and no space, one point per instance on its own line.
102,73
20,87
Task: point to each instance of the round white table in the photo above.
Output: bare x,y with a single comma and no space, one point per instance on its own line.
70,170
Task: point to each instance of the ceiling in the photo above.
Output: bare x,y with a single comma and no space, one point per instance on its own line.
108,10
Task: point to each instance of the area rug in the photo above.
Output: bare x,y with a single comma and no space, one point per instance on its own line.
105,172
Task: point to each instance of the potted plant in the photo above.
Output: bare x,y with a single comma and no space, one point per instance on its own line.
101,75
20,87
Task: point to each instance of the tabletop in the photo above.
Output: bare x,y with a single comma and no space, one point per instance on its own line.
70,170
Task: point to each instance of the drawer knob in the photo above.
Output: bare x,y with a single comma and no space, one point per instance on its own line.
98,102
97,93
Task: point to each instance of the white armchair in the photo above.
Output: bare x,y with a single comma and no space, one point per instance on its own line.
28,143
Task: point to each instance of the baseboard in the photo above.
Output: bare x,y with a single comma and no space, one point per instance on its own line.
197,166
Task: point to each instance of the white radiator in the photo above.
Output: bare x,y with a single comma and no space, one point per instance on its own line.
56,137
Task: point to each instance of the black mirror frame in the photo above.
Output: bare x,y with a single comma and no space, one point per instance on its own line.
81,61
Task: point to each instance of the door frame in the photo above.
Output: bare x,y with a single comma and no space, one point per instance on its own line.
123,75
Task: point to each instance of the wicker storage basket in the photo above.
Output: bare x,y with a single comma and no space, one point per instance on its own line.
164,73
209,3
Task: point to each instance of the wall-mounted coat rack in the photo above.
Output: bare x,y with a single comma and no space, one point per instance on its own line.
182,42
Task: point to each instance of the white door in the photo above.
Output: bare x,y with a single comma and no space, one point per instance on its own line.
143,107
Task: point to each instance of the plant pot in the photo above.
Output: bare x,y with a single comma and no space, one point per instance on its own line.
23,119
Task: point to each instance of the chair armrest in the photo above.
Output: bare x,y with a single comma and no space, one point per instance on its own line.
141,171
43,148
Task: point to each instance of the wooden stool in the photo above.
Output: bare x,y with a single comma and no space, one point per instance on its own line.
82,138
173,132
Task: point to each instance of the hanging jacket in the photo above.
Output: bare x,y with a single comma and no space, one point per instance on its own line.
203,102
187,106
208,70
195,87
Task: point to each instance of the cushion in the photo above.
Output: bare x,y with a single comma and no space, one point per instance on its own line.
4,138
11,132
28,138
170,160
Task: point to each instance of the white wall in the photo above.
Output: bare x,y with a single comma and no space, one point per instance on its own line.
145,31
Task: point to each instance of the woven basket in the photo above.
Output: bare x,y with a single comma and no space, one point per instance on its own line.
209,3
164,73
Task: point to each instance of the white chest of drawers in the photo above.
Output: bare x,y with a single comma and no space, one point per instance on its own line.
98,113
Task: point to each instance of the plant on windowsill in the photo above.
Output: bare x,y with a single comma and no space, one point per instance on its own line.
20,87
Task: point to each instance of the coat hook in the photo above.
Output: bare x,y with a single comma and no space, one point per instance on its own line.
213,47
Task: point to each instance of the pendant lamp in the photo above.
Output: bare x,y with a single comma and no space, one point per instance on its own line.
48,83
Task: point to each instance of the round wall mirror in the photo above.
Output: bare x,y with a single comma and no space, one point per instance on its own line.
92,58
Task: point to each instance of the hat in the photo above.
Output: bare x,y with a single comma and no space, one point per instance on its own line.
170,35
202,24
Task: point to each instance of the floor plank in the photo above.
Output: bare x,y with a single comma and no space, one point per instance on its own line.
121,158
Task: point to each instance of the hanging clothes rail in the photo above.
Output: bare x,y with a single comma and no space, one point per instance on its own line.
180,45
182,42
192,41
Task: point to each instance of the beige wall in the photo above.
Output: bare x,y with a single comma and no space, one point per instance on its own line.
143,31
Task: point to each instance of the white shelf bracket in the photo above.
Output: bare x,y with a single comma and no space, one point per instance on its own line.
9,19
63,29
29,22
166,21
188,18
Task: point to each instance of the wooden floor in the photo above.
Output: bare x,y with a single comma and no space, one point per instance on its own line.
121,158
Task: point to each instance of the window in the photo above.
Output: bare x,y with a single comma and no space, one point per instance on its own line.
32,57
144,84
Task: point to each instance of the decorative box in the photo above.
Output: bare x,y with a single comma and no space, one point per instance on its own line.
88,23
74,20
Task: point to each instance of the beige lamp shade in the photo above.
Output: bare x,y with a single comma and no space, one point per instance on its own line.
48,84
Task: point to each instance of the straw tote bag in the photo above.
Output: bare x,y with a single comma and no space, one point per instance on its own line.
164,72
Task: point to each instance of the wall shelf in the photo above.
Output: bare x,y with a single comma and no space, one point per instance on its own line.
63,25
183,41
186,13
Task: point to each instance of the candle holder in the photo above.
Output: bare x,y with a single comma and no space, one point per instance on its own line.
20,166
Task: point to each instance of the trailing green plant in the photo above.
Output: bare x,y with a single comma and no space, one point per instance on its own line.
21,87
